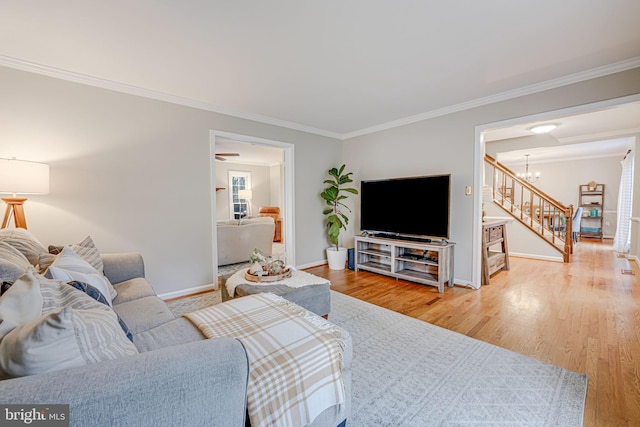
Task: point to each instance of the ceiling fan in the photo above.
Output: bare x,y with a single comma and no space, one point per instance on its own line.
221,156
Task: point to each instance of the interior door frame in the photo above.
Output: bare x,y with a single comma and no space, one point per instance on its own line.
288,197
479,151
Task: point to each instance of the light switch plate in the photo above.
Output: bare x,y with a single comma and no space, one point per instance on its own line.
467,190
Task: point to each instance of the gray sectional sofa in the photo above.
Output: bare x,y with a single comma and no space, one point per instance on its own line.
177,378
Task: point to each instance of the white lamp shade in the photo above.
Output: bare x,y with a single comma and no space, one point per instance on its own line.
244,194
23,177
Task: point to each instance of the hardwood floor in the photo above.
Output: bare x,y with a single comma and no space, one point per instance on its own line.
583,316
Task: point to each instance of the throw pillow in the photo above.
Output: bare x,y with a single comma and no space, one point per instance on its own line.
13,263
55,250
57,294
69,266
5,287
45,259
86,249
24,241
97,295
63,339
21,303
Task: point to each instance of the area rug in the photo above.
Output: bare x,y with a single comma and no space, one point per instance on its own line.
228,270
189,304
407,372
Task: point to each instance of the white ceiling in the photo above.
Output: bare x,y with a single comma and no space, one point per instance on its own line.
334,67
249,154
603,124
616,147
603,133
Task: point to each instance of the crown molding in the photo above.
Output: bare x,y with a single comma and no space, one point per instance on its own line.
58,73
504,96
32,67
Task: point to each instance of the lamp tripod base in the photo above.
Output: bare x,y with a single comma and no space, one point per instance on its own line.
14,206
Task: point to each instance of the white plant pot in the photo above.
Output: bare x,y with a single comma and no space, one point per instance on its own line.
337,259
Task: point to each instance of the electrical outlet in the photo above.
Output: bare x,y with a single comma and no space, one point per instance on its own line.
467,190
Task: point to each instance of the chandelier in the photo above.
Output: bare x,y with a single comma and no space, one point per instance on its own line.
528,176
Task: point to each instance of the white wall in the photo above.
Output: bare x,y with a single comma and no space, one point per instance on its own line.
560,180
276,189
260,183
134,173
446,144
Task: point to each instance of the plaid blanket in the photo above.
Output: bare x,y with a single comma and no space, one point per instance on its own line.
295,357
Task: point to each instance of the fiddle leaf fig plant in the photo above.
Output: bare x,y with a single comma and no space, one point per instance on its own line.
334,195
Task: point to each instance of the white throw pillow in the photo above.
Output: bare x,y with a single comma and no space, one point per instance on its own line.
21,303
87,250
94,279
69,266
13,263
24,241
63,339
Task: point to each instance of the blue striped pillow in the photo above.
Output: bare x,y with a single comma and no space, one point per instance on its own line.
94,293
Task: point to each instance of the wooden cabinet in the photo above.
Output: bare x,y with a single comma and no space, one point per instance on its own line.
277,236
591,200
421,262
495,251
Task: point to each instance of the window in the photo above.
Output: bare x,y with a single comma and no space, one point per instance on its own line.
239,180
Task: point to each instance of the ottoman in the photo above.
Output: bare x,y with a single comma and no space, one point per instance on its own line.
302,288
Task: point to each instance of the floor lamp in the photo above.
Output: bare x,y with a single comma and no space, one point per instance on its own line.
21,177
246,195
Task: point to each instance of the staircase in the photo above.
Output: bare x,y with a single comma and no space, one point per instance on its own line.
544,216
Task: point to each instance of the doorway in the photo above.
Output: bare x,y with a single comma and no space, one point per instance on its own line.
272,163
522,123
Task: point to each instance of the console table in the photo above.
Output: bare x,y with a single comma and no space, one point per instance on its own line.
428,263
494,234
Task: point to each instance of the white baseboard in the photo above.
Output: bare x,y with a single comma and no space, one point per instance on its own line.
634,258
311,264
189,291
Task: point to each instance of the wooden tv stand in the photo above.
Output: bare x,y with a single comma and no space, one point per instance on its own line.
428,263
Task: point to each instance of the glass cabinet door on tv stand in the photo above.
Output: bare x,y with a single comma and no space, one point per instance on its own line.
428,263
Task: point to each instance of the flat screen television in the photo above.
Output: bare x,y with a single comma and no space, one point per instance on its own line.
406,207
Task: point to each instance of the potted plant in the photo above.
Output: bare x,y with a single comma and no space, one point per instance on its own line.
337,219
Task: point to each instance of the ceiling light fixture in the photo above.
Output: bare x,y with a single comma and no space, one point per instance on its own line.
546,128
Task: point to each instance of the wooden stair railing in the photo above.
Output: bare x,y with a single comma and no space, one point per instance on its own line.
540,213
